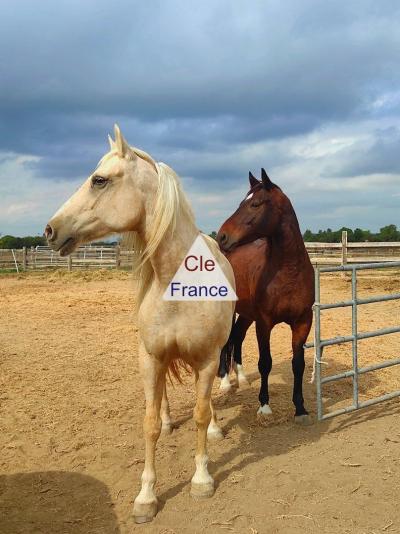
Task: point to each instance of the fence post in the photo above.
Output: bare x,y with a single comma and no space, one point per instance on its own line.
69,260
32,258
344,248
24,258
118,256
15,260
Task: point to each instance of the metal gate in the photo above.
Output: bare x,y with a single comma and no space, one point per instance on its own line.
319,343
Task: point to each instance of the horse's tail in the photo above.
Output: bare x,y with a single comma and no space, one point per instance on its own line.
226,358
175,368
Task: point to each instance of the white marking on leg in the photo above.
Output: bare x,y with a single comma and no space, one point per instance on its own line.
202,476
213,431
225,383
240,374
264,410
166,429
146,494
166,426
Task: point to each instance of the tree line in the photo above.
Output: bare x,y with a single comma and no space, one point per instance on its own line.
386,233
10,241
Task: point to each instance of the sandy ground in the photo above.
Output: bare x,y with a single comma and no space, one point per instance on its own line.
71,406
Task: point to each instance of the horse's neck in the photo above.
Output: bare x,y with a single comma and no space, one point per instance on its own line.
174,245
286,244
172,250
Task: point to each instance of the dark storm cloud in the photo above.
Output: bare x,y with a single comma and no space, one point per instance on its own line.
380,156
178,75
212,88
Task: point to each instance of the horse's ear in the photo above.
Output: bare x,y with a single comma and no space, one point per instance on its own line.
112,142
267,184
253,180
120,143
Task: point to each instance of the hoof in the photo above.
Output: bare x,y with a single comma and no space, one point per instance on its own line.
202,491
215,434
304,420
264,412
167,429
144,512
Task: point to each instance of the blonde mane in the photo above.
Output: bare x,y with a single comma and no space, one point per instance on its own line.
170,202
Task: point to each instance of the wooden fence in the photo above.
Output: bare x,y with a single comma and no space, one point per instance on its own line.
92,257
88,257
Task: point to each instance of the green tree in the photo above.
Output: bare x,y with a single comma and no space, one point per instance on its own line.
308,235
386,233
9,241
389,233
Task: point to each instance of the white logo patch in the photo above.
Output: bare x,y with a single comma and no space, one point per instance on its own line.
199,277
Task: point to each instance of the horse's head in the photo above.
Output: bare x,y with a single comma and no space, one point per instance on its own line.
110,201
258,215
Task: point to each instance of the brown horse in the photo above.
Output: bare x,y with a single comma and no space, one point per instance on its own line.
274,281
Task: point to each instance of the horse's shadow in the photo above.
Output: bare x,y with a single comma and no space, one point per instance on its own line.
279,437
55,501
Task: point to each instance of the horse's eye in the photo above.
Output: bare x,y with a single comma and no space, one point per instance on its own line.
256,204
99,181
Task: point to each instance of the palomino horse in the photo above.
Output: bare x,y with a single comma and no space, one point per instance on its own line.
274,282
130,192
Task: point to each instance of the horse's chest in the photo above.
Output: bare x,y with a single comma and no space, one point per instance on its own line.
162,336
182,329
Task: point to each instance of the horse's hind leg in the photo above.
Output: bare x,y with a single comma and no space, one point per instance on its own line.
213,431
202,481
153,374
264,366
300,331
239,333
166,426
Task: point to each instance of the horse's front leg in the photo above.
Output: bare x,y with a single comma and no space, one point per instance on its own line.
202,481
153,374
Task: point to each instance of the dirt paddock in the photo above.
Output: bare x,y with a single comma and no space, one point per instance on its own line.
71,408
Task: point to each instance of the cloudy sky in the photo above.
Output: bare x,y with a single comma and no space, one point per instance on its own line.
309,89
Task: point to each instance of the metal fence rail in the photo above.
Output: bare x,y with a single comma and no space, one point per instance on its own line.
319,343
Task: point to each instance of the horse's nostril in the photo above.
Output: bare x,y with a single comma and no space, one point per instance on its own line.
49,232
